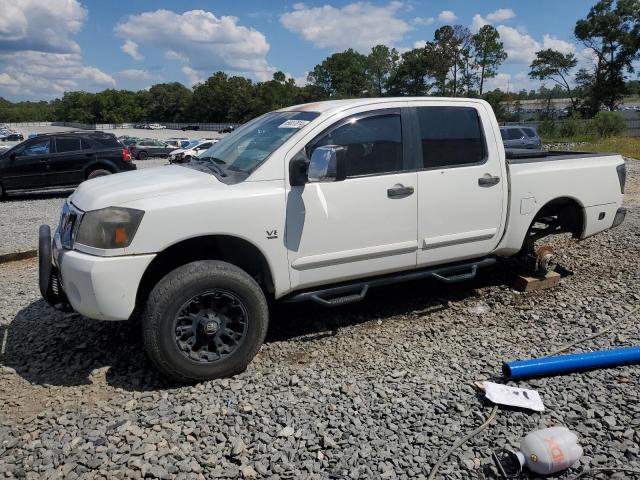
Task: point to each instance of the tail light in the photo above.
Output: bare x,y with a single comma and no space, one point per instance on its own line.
126,156
622,175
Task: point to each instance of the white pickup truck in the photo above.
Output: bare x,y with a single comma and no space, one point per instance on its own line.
321,202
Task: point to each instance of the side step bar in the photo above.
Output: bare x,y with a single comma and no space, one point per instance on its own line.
355,291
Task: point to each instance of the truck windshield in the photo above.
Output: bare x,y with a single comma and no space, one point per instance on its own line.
245,149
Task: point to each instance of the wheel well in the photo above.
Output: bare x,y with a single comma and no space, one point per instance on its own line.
561,215
236,251
97,166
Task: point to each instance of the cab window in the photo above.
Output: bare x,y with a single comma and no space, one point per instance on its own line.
373,143
36,148
450,136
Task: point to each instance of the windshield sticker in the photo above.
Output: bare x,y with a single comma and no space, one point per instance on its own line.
294,124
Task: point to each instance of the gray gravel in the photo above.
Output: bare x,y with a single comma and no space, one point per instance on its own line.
378,389
22,213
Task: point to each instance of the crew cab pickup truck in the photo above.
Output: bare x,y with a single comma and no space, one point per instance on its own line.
323,202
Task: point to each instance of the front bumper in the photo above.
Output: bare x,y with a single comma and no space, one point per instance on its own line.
103,288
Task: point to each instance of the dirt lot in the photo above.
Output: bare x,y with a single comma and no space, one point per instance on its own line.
378,389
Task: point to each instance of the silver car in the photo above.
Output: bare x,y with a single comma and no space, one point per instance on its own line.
520,137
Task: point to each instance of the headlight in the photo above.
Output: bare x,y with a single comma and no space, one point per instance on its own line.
112,227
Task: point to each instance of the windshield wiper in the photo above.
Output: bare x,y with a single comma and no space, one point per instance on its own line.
213,164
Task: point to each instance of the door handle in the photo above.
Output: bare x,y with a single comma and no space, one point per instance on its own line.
399,191
43,160
488,180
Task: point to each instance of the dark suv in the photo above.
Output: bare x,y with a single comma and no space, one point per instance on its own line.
61,160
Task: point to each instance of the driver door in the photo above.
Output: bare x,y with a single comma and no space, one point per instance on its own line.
358,227
27,165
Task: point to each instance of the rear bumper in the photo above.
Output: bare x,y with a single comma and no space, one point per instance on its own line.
621,213
103,288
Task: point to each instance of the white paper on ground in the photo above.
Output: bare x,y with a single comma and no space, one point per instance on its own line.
514,396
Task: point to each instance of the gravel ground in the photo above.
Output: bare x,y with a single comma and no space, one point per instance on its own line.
378,389
22,214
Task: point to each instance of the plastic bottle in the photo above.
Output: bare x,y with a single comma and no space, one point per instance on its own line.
549,450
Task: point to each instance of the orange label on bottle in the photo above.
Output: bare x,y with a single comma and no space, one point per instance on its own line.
557,455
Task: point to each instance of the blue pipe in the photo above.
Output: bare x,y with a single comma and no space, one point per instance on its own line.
540,367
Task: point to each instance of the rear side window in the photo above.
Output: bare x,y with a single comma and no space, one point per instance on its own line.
529,132
451,136
86,145
67,144
105,140
373,143
515,134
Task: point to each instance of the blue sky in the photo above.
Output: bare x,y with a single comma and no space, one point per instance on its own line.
48,47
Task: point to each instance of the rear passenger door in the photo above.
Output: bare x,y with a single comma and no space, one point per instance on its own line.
462,188
69,160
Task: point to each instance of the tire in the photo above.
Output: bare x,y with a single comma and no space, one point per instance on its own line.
100,172
142,156
167,307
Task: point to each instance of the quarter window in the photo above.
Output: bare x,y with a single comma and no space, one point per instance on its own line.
373,144
450,136
529,132
67,144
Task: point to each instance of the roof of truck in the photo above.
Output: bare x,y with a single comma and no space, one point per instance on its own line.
329,105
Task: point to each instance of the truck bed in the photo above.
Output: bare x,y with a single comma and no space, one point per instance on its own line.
521,155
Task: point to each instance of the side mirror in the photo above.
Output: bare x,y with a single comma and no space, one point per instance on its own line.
328,164
298,172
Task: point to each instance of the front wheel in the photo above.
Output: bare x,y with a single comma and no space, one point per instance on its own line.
204,320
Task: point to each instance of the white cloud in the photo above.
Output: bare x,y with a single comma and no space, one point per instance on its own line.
131,48
447,16
38,56
135,74
359,25
520,47
501,15
478,22
419,44
46,75
550,41
424,20
206,43
193,75
40,25
302,80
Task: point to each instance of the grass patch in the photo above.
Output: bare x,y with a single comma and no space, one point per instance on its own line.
626,146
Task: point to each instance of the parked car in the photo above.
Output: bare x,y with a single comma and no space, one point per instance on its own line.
520,137
156,126
12,137
228,129
188,153
175,156
150,147
127,142
191,127
369,192
61,160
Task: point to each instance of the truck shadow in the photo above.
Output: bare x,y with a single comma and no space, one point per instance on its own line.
47,347
37,195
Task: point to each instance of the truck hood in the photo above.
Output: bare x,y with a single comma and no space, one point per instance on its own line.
122,188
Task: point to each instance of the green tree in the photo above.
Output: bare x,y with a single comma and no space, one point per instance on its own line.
168,102
489,53
342,75
611,31
556,66
381,63
411,77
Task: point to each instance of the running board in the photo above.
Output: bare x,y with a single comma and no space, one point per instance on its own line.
355,291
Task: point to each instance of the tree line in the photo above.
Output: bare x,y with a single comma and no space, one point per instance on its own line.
455,62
